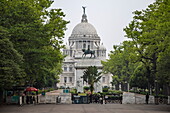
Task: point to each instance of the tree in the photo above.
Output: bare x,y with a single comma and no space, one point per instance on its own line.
149,32
139,78
163,74
11,73
91,76
36,33
120,63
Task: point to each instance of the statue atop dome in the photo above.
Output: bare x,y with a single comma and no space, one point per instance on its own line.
84,9
84,17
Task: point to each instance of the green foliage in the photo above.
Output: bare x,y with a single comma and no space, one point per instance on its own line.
10,60
91,76
139,78
37,34
105,89
113,92
86,88
145,58
149,32
115,80
74,91
163,67
45,90
120,63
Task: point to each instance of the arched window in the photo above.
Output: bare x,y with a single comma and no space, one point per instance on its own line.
88,46
70,79
65,79
84,46
65,68
70,68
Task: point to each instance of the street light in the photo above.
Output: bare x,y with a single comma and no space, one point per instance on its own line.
156,92
65,85
120,86
112,85
156,87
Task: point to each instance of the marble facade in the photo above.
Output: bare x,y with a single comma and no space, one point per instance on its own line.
84,36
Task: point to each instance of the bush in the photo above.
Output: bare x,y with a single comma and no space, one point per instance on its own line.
86,88
45,90
113,92
39,91
105,89
73,91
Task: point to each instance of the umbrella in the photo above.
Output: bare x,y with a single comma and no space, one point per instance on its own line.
31,89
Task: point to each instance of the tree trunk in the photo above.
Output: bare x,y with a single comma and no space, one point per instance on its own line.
91,90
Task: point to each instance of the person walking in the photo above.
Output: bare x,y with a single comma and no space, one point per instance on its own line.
101,99
33,99
147,98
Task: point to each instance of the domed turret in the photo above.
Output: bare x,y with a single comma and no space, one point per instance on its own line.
67,46
84,29
102,47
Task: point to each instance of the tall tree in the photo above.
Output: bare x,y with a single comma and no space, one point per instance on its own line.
11,73
139,78
36,33
149,32
120,63
163,68
91,76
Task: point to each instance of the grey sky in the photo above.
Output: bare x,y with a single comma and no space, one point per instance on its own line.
109,17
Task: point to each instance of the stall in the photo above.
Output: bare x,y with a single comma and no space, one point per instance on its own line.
31,95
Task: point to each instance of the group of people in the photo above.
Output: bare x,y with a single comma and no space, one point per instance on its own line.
30,100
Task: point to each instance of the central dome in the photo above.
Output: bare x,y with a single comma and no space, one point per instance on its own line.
84,28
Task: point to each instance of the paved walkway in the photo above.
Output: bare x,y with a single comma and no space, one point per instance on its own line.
85,108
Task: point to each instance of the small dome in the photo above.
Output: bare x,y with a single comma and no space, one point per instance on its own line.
102,47
67,46
84,28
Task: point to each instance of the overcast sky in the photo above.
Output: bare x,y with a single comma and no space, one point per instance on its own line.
109,17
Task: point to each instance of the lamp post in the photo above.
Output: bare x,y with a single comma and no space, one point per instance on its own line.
125,86
65,86
120,86
156,92
112,85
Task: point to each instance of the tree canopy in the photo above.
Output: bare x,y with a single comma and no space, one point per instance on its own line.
91,76
10,71
149,44
36,33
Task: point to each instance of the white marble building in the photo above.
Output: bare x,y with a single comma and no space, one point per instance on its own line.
83,36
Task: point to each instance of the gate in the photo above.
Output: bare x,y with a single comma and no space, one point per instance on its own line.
161,100
113,99
106,99
78,99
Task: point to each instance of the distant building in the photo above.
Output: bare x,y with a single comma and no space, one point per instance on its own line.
84,36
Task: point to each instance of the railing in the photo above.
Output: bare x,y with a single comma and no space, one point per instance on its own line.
113,100
161,100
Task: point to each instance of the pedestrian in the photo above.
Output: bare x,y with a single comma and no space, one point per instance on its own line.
33,99
147,98
101,99
96,99
106,99
27,99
